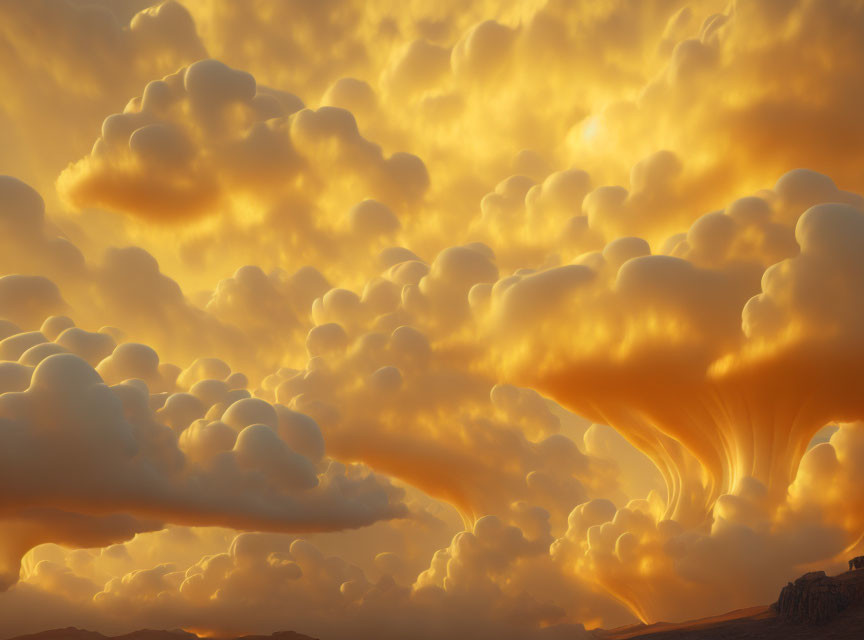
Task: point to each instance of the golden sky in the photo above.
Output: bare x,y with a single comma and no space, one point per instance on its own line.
429,319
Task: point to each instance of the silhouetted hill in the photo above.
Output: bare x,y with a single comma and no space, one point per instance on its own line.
814,606
71,633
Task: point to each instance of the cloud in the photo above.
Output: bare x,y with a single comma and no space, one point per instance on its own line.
29,247
496,305
666,314
288,578
52,79
204,135
87,457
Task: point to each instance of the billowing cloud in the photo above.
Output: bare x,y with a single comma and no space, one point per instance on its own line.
93,465
51,78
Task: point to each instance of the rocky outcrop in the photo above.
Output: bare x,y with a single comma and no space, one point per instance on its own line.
814,607
856,563
814,598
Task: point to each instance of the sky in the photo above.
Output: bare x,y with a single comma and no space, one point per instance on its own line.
398,318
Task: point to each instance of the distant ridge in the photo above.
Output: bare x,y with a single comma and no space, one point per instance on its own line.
73,633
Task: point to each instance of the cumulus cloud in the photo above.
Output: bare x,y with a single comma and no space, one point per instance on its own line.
29,246
93,465
199,139
668,313
281,579
52,79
